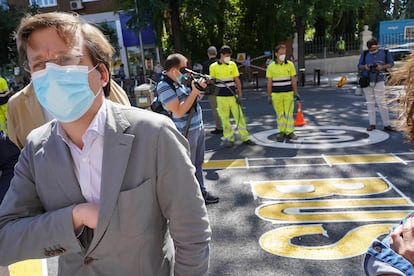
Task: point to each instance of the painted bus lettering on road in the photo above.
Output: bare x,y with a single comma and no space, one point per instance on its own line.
302,202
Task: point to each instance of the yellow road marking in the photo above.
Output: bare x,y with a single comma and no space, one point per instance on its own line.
354,243
325,210
223,164
332,160
311,188
27,268
372,158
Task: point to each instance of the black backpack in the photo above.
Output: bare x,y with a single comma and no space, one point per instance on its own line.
156,104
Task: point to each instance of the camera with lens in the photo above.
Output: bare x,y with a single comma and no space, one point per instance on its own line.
189,78
372,67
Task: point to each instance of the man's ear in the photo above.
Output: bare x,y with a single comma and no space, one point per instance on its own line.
104,74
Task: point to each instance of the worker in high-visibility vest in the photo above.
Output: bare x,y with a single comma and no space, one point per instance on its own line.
340,45
4,97
229,97
282,90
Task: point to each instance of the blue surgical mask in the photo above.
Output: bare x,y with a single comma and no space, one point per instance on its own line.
64,91
180,77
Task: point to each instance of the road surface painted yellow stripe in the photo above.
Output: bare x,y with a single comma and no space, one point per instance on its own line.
28,268
331,160
354,243
223,164
333,210
361,159
311,188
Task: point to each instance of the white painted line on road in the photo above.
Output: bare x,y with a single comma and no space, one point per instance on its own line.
395,188
402,161
326,160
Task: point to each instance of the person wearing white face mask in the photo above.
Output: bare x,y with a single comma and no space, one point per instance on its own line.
282,89
108,188
373,64
229,97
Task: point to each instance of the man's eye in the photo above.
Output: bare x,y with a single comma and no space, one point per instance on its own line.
65,60
38,66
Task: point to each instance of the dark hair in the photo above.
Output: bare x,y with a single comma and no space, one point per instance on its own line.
69,28
173,61
278,47
225,50
371,42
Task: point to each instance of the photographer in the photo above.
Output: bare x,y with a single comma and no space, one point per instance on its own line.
181,101
373,64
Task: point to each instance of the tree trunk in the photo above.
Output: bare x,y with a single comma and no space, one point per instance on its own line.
177,35
300,28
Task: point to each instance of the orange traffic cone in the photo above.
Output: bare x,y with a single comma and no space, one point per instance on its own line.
300,120
341,82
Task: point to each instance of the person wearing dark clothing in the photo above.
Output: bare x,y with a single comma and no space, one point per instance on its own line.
212,57
9,153
373,64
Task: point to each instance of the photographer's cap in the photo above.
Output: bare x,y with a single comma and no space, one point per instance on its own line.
212,50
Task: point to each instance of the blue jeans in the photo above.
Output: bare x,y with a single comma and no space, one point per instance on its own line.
381,258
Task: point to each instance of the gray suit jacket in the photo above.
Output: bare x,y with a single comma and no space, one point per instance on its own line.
148,186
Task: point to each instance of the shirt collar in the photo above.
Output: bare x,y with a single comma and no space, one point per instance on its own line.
97,125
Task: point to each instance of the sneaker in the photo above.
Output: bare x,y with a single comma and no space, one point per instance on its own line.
216,131
280,137
209,198
389,128
249,142
228,144
292,136
371,127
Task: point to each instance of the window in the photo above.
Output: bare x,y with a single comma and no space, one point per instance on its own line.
44,3
409,32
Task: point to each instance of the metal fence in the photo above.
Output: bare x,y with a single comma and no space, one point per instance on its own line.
321,47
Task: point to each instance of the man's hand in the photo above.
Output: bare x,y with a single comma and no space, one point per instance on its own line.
297,97
85,214
402,240
199,85
238,100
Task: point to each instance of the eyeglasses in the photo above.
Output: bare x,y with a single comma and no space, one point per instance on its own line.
63,60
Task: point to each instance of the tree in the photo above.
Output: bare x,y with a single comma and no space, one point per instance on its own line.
9,20
408,9
158,13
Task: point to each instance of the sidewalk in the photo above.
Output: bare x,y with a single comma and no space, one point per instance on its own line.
310,80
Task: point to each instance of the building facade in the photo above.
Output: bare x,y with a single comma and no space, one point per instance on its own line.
105,14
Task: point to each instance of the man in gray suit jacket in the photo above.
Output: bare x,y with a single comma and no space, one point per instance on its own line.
105,187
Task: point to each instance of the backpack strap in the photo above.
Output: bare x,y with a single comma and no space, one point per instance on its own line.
169,81
365,55
192,108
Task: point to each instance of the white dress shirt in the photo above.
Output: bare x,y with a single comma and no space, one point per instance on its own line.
88,160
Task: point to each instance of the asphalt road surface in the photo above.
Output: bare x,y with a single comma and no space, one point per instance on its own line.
311,206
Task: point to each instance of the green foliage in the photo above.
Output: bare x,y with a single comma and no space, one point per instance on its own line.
249,26
9,19
111,35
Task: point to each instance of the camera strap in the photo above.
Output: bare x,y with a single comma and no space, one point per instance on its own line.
192,108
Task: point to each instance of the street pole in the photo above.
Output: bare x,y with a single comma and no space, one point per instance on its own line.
141,45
